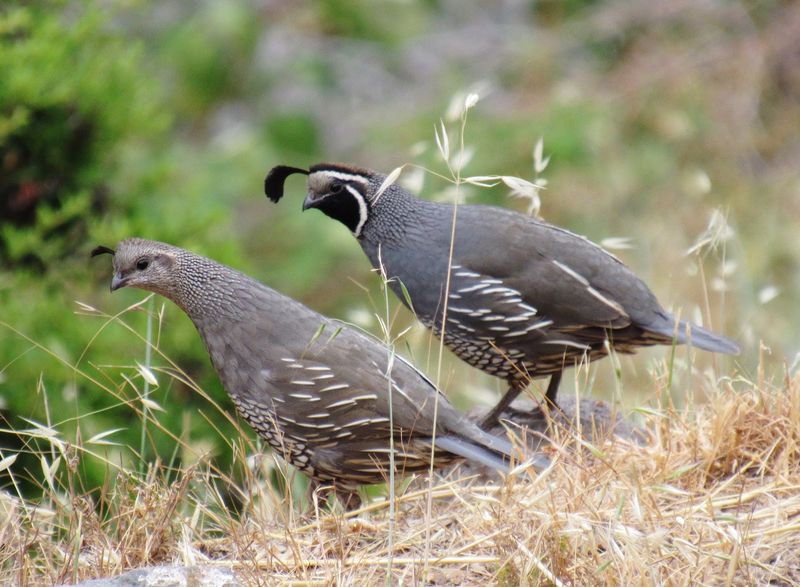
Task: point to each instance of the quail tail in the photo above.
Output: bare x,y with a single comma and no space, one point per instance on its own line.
490,450
699,337
473,452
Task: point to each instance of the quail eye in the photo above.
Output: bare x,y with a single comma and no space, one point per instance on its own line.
336,187
142,264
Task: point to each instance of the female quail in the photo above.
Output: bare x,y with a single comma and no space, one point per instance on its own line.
314,389
525,298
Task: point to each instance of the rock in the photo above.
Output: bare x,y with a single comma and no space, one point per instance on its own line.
598,420
169,576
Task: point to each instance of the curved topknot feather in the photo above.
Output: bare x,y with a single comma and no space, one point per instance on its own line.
101,250
273,183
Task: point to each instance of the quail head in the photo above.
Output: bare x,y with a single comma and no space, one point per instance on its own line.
515,297
326,397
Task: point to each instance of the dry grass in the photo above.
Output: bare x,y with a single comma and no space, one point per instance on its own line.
713,498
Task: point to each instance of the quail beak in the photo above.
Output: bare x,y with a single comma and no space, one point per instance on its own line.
311,201
117,282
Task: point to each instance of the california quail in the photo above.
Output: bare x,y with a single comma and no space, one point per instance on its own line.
526,298
314,389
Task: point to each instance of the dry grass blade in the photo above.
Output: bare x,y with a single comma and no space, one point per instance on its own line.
390,179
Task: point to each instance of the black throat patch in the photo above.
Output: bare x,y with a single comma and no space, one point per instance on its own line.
347,207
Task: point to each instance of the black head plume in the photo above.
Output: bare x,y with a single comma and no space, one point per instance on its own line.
101,250
273,184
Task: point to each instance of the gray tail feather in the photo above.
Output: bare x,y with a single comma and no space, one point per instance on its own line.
709,341
698,337
501,445
473,452
493,452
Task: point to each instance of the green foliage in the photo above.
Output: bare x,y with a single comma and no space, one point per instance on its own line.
71,93
296,132
81,131
207,54
382,21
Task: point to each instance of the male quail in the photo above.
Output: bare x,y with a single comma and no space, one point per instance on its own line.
519,298
314,389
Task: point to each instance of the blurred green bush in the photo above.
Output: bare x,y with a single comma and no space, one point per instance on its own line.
87,157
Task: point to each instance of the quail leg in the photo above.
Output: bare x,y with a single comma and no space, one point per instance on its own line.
552,389
327,493
350,500
514,389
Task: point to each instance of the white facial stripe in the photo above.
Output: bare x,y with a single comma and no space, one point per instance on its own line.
342,176
362,209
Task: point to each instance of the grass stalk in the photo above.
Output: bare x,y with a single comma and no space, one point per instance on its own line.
148,361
